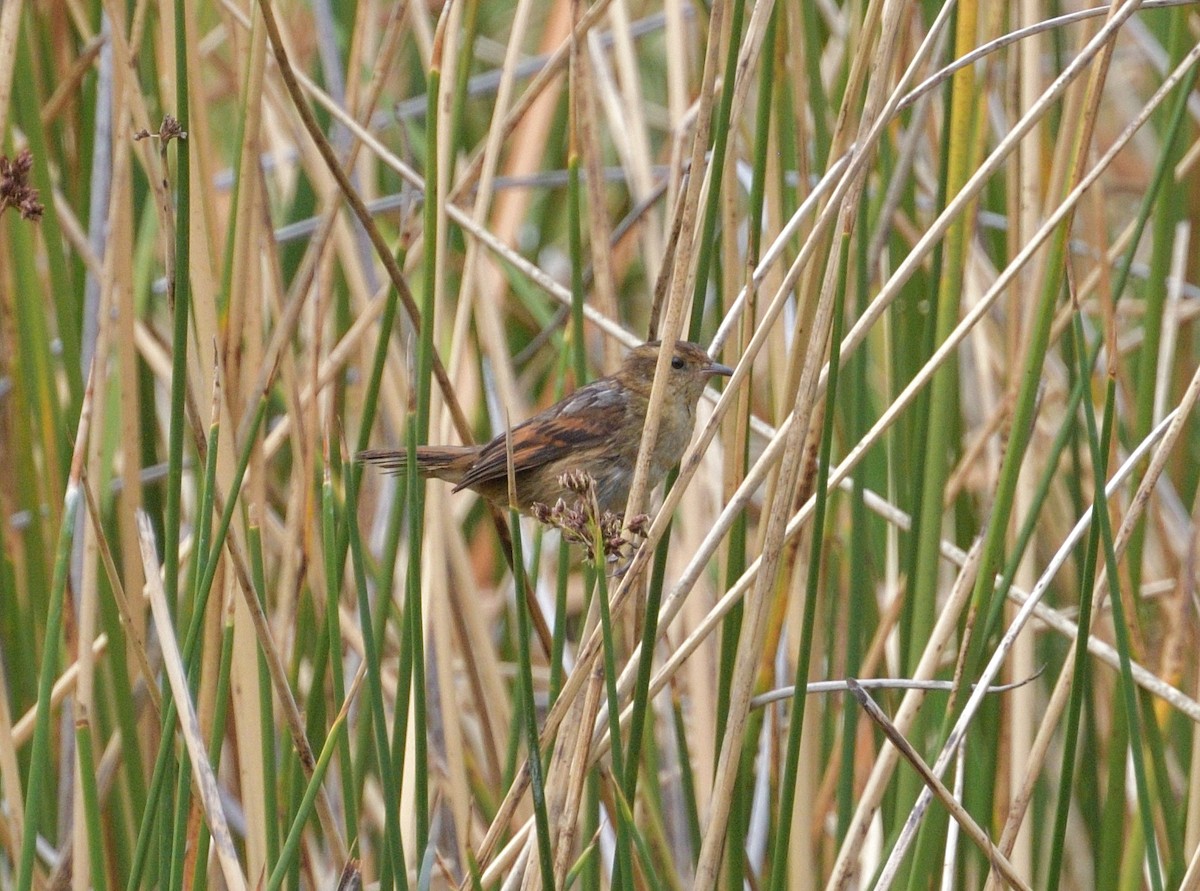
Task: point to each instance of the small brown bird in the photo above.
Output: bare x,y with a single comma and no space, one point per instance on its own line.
597,429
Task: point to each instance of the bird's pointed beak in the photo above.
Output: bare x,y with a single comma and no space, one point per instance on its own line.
718,368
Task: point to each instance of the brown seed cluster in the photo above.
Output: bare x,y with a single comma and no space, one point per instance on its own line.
168,130
15,190
578,522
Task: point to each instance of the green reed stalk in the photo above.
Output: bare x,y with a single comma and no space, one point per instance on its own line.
393,843
267,726
791,764
529,707
40,771
623,865
332,635
289,854
720,148
1128,691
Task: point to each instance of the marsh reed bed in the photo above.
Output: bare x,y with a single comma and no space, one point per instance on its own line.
947,250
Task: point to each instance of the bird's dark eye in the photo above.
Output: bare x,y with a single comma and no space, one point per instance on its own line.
677,362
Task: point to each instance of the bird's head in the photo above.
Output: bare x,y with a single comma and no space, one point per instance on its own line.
689,371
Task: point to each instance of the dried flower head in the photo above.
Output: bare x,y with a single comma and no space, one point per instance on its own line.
639,525
579,523
169,129
15,190
578,481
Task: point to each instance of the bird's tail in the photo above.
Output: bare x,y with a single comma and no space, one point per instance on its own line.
441,462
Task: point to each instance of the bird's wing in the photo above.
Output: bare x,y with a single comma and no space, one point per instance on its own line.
585,421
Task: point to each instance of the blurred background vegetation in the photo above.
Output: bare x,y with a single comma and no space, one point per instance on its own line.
948,249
